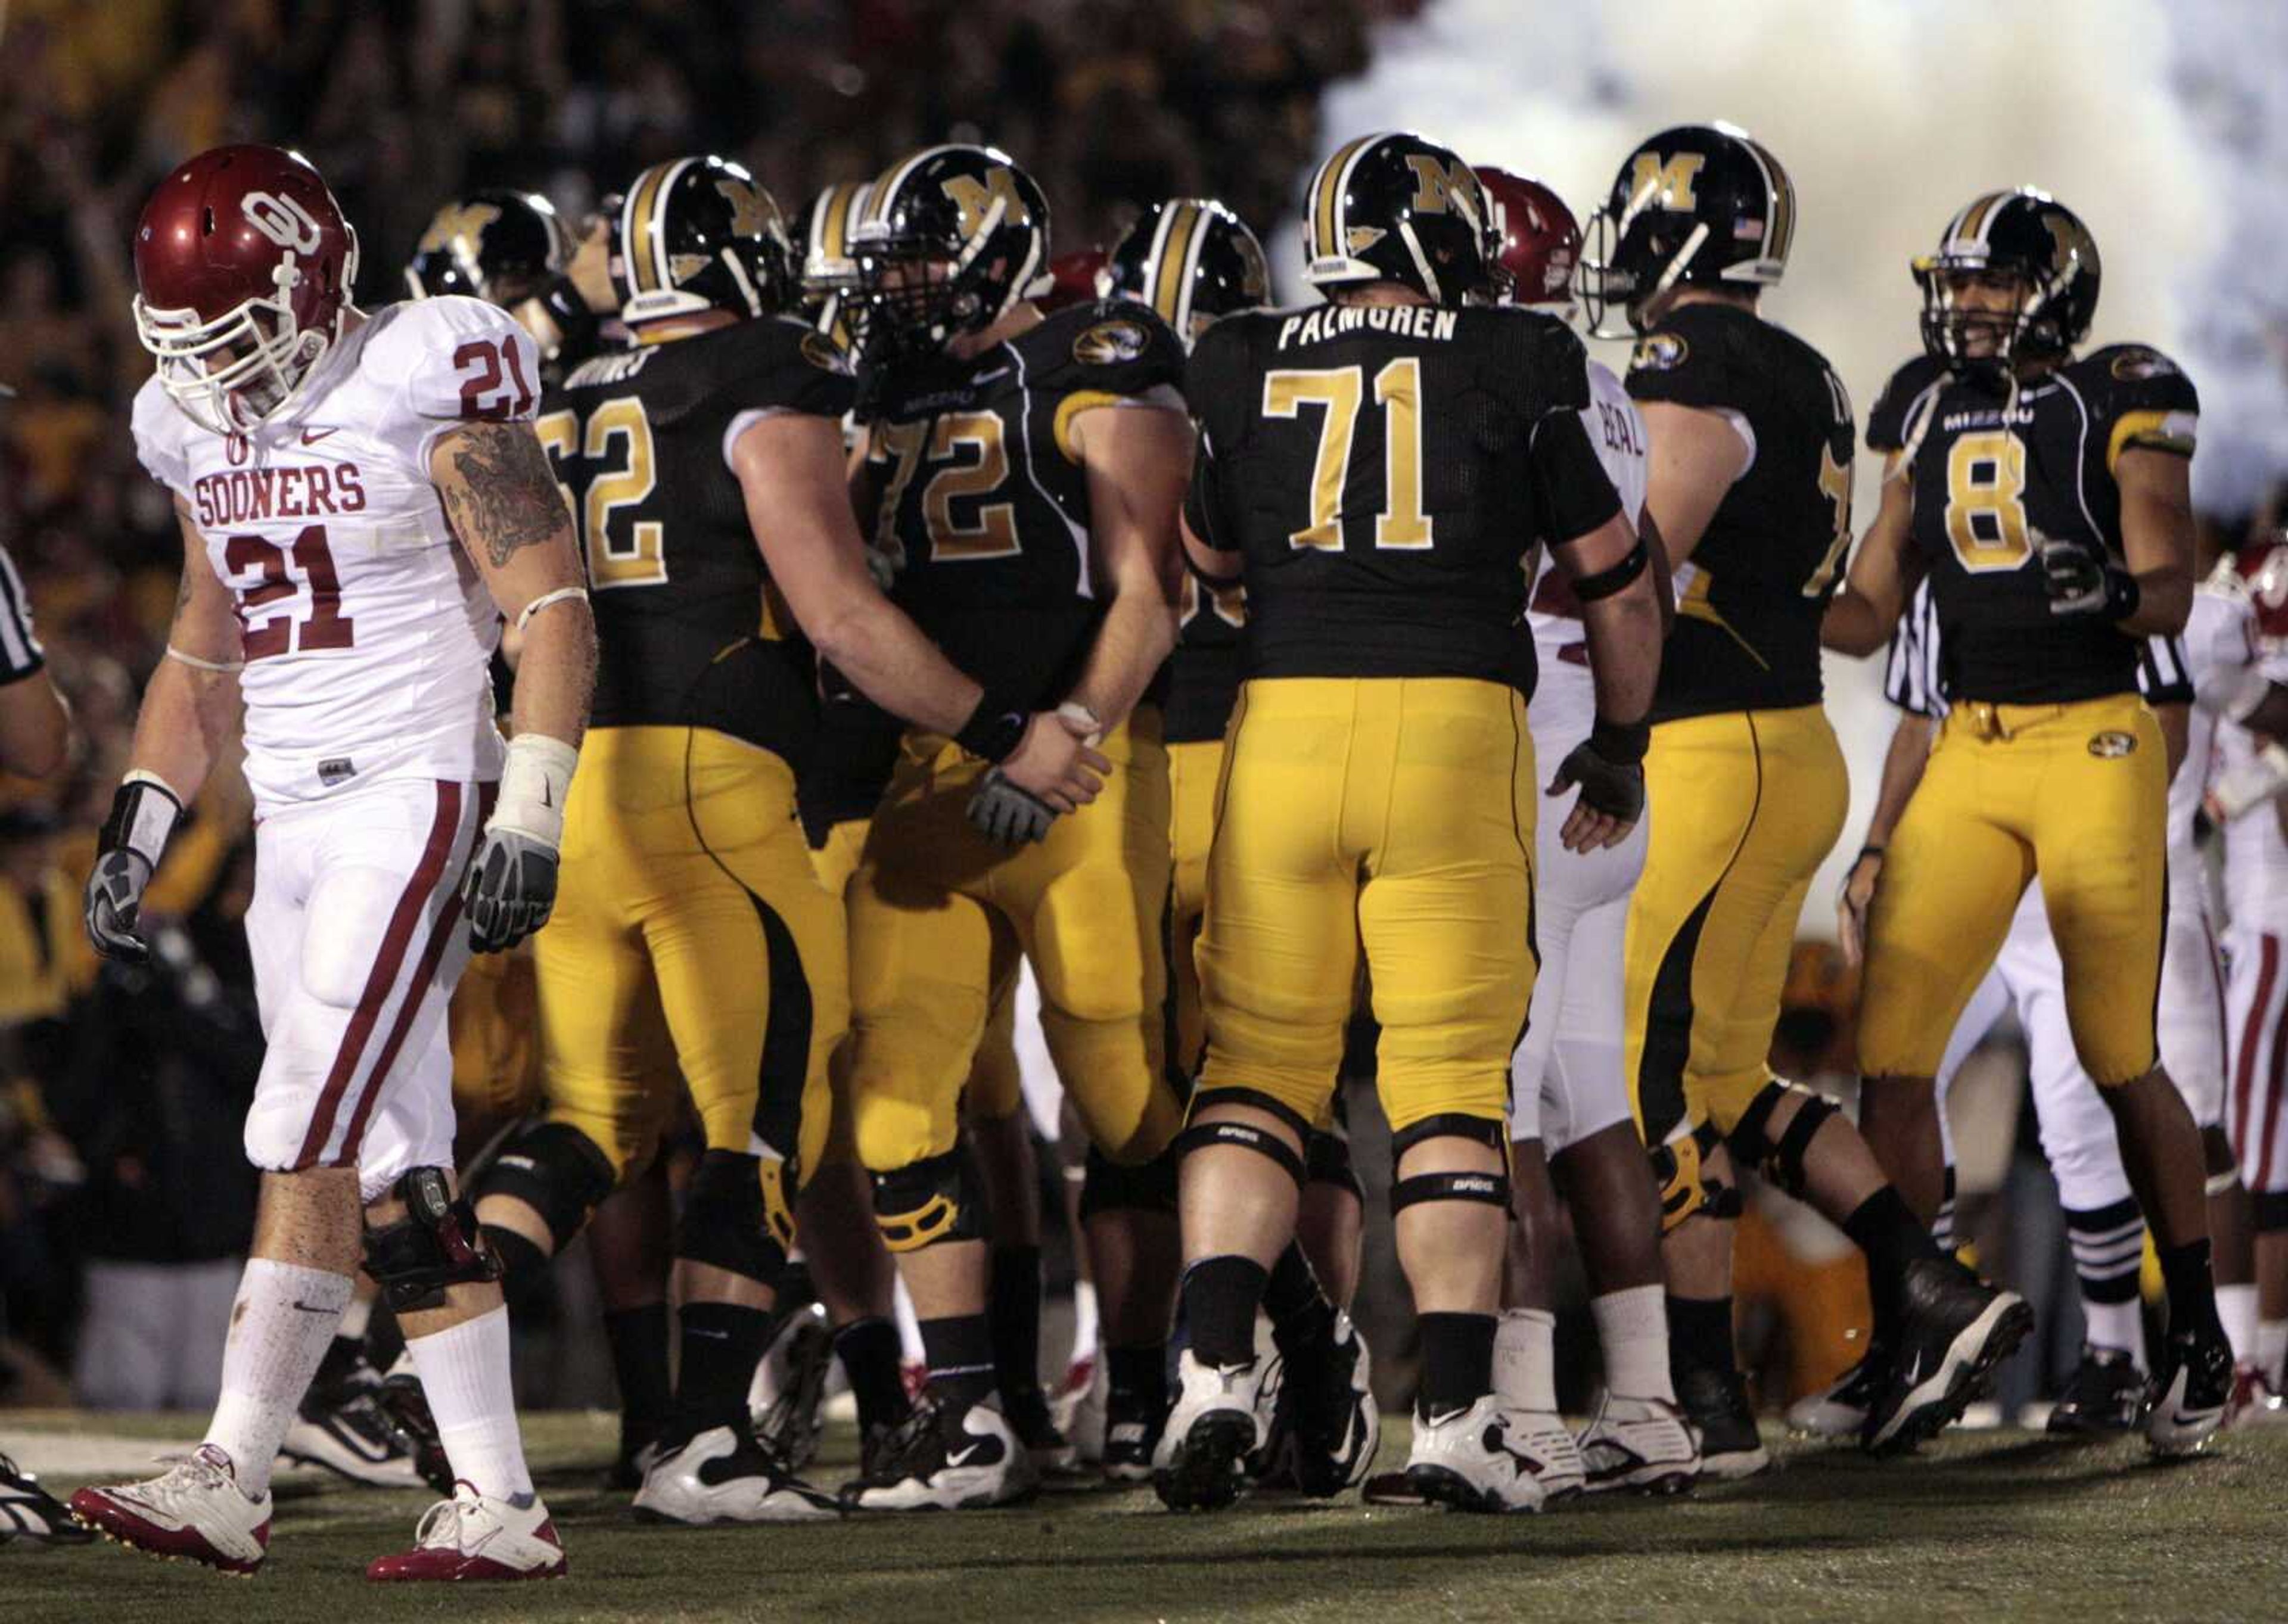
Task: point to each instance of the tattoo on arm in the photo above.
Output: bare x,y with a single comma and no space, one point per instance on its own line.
506,494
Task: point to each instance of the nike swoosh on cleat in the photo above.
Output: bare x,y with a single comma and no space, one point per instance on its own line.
963,1458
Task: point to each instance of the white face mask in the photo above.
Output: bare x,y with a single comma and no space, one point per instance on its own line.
235,373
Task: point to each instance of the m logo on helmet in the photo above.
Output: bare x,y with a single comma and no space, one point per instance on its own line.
455,223
751,214
975,198
1436,185
1668,183
283,220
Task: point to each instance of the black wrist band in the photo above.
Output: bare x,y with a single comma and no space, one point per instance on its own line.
2122,594
1621,743
1869,850
994,729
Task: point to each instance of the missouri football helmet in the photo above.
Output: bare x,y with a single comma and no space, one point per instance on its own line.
243,267
821,244
2026,234
1192,260
1396,207
1701,205
700,233
1540,240
500,247
949,241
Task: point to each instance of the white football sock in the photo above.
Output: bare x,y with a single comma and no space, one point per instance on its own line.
2115,1325
280,1328
1525,1358
2271,1349
2237,1307
1632,1329
1086,1327
464,1373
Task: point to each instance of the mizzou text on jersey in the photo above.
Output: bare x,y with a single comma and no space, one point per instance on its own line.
983,501
693,937
1383,470
1745,780
2049,761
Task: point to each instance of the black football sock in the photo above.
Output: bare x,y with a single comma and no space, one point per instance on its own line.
1700,1333
721,1345
2191,1286
1299,1309
1013,1305
1457,1362
1136,1384
1220,1297
638,1337
1883,1228
870,1357
959,1349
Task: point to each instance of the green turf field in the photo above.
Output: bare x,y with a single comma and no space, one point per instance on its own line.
1997,1525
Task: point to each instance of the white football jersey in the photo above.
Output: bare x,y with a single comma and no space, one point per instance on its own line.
1564,707
368,631
2219,645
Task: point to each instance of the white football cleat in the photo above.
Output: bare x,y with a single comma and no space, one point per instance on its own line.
723,1477
1639,1443
475,1538
1841,1409
1080,1410
195,1512
1467,1461
939,1459
1218,1420
1552,1455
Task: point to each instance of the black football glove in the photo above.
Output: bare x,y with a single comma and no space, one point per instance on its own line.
1007,814
143,814
510,889
1609,765
2081,582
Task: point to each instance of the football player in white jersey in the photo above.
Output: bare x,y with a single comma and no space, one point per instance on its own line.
362,503
2104,1223
1569,1097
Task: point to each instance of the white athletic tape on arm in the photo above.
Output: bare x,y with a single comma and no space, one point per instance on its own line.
154,817
563,594
534,783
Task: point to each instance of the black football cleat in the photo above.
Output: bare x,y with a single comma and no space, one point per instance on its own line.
1716,1404
343,1425
28,1513
1954,1328
2105,1397
2192,1386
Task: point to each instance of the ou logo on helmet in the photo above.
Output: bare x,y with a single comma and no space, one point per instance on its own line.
283,220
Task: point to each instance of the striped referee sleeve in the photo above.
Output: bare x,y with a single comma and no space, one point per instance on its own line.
2164,675
1910,676
20,654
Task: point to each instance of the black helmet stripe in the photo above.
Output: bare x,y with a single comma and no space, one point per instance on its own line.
1178,246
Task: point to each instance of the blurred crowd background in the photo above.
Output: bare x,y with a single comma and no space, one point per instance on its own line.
124,1200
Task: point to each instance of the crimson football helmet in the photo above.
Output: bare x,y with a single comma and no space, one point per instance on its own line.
243,267
1540,240
2261,571
1075,275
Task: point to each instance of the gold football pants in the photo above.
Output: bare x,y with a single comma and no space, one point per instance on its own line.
1389,814
1194,770
2077,793
494,1021
1746,804
931,899
692,946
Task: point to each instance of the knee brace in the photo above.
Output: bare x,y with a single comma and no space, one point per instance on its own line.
724,1222
1687,1189
1489,1188
436,1245
1198,1136
1108,1186
1327,1160
1780,1160
924,1202
556,1170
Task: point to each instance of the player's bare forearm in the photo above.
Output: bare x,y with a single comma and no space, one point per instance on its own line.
1135,638
507,508
2156,538
35,726
1902,770
1624,637
1863,615
1137,460
191,704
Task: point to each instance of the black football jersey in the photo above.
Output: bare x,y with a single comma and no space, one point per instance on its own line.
1749,601
1384,470
1203,673
1987,492
688,631
850,761
980,500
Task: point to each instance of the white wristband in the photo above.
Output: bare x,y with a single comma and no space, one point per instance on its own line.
1078,715
533,788
198,664
148,818
563,594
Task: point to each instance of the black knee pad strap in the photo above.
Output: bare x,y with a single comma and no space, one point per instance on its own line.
723,1223
1786,1166
924,1202
1327,1160
1244,1137
1780,1160
1254,1100
2271,1211
1488,1132
1489,1188
556,1170
436,1245
1108,1186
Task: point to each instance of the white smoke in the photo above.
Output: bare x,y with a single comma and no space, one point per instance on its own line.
2157,123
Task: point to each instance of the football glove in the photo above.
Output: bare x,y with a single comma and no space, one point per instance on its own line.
1613,787
1007,814
2081,582
143,814
510,888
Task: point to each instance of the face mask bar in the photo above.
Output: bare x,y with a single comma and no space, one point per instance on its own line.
268,359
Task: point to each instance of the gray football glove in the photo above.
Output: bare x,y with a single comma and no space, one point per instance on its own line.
143,813
509,891
1005,813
